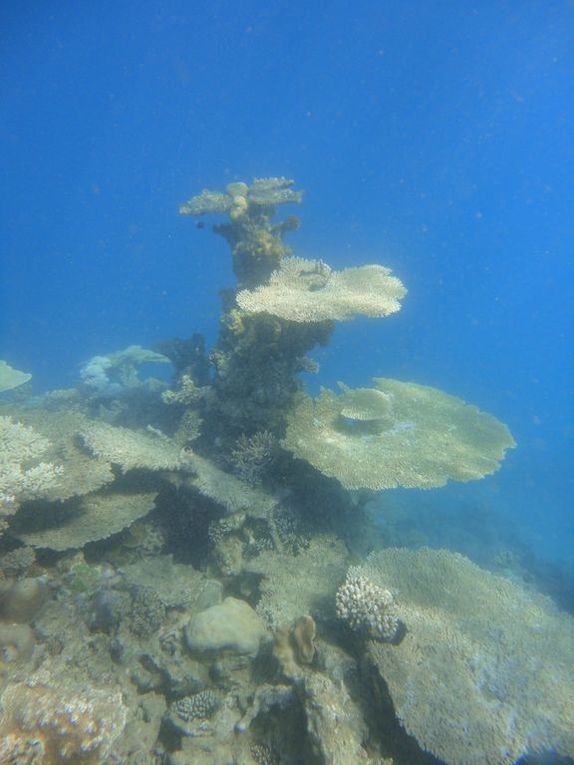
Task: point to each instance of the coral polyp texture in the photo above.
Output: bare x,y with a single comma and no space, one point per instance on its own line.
238,196
484,672
416,437
53,725
310,291
23,474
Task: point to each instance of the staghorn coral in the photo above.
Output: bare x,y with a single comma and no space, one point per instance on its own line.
428,438
367,608
309,291
253,455
484,671
47,724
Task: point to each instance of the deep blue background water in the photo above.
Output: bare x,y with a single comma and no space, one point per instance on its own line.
433,137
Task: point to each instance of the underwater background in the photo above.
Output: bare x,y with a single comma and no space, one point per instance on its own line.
204,555
432,137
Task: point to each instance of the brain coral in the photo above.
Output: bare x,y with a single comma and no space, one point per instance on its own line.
416,436
310,291
484,673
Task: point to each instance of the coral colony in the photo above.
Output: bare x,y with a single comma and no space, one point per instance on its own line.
189,573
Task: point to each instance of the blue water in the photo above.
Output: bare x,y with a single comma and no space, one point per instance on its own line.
432,137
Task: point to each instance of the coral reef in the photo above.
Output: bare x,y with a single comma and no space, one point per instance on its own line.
75,523
198,604
23,476
255,242
112,375
200,705
253,455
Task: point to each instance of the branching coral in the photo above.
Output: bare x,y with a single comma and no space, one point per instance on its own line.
367,608
255,241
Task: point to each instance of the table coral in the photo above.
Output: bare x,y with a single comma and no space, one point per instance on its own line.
426,438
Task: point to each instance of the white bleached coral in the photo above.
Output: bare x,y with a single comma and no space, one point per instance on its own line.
303,290
367,608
